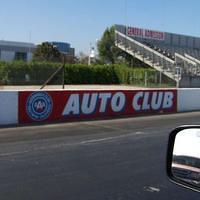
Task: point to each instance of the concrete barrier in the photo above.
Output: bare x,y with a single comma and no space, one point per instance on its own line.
19,107
8,107
47,106
188,99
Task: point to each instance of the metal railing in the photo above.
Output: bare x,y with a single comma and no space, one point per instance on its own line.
189,65
146,54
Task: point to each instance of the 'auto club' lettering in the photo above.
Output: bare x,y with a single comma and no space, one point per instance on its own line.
88,103
100,102
155,101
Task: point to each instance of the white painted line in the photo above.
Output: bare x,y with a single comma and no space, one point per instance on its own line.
55,146
152,189
139,133
13,153
110,138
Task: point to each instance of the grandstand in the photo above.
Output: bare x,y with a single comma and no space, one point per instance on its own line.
174,55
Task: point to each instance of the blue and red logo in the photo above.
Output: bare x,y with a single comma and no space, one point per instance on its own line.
39,106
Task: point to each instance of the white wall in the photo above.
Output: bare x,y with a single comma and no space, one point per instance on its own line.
10,56
29,56
188,99
8,107
7,55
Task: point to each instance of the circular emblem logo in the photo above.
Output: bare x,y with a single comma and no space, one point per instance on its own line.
39,106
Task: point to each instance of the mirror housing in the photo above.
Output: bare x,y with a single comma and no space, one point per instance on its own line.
183,157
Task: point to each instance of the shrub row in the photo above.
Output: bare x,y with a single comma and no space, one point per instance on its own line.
36,73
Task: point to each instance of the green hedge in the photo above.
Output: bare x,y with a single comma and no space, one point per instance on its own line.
14,73
36,73
84,74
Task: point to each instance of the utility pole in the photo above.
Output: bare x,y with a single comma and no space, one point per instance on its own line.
63,71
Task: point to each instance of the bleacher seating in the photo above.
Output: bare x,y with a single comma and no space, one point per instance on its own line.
169,60
170,51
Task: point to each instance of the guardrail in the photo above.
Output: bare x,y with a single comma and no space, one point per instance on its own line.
185,59
192,58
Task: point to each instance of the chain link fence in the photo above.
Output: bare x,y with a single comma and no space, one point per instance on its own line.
39,73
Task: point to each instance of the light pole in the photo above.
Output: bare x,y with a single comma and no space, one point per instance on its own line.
63,70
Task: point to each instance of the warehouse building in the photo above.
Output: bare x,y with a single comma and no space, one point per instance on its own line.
10,51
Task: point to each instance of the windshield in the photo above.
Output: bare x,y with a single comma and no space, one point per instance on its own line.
89,91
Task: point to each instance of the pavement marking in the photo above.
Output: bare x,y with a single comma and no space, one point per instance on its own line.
70,144
139,133
13,153
109,138
106,126
152,189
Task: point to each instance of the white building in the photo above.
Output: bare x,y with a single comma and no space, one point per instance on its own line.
10,50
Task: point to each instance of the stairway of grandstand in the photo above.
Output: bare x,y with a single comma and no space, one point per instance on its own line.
173,62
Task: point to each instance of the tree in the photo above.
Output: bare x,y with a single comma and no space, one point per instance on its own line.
47,52
108,52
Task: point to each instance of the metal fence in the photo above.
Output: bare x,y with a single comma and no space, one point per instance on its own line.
39,74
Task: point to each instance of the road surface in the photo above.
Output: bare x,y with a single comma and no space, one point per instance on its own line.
112,159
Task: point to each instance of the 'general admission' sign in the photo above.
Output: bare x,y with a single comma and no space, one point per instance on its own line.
145,33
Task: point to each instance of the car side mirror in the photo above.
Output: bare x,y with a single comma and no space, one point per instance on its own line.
183,157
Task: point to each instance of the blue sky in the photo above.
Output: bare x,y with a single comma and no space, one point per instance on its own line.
81,22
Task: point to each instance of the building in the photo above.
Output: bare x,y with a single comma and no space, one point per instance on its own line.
65,48
10,51
177,56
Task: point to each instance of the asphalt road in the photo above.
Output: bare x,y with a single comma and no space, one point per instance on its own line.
113,160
